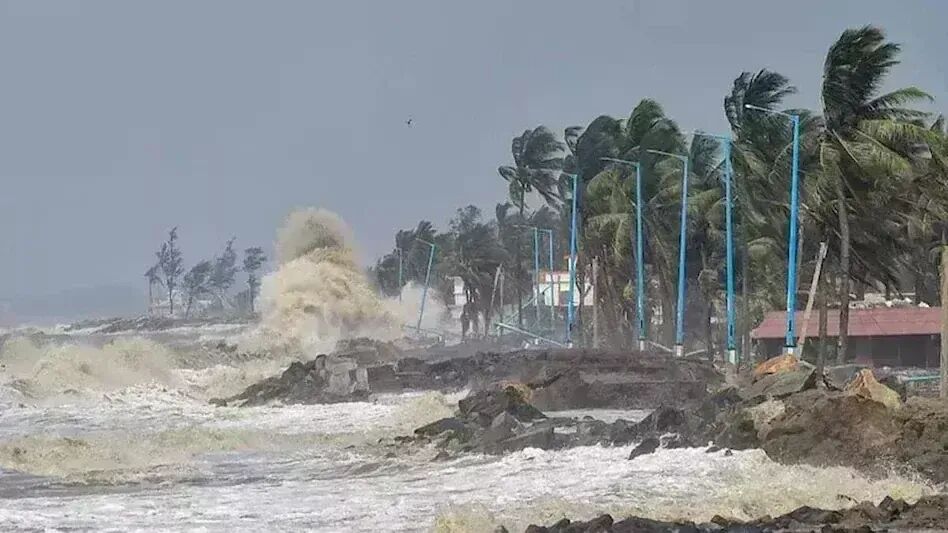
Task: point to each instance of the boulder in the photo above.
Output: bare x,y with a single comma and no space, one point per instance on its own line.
866,386
539,436
837,377
779,385
776,365
646,447
484,406
457,427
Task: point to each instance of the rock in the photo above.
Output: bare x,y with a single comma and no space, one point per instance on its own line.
484,406
456,426
441,456
539,436
866,386
503,427
837,377
646,447
776,365
781,384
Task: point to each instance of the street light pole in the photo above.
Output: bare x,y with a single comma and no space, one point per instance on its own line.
792,239
424,292
682,253
639,252
729,244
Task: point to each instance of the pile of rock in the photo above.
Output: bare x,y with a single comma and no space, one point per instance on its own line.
845,417
501,420
929,513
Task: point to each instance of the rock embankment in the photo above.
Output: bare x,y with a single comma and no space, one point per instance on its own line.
928,514
559,379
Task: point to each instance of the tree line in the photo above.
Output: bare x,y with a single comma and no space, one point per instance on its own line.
211,278
873,167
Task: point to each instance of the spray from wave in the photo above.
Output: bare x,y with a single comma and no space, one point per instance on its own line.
318,294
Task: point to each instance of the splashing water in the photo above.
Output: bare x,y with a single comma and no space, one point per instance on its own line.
318,294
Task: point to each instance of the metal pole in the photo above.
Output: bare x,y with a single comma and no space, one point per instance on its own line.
792,239
536,275
424,293
639,259
682,253
729,223
572,266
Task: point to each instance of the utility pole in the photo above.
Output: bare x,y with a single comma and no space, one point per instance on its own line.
809,302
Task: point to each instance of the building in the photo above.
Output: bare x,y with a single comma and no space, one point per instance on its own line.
880,336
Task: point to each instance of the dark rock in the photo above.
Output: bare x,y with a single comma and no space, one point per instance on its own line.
218,402
441,456
837,377
453,425
781,384
539,436
484,406
647,446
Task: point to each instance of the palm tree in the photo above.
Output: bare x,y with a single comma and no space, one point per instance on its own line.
538,159
868,141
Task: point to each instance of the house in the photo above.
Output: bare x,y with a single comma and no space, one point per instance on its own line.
879,336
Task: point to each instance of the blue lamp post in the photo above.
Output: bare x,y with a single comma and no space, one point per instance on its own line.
682,252
639,251
424,292
792,239
729,244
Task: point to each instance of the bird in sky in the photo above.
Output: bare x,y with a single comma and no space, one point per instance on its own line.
409,121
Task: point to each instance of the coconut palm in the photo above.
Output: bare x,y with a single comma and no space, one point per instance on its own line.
538,159
868,143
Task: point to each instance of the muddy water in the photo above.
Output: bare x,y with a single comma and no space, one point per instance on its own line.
138,447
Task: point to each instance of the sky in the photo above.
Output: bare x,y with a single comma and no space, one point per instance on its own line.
120,119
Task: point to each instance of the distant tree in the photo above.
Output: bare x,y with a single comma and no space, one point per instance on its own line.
224,273
171,265
253,260
197,283
154,278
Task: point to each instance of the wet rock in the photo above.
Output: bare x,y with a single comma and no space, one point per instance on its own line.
929,513
837,377
453,425
781,384
484,406
776,365
646,447
539,436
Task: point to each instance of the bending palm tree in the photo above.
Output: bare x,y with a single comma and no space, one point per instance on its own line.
538,158
868,140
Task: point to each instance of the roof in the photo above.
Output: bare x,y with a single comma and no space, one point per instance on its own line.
878,322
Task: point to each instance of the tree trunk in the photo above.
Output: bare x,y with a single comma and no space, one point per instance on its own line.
823,326
844,268
252,295
519,271
709,331
745,299
596,295
943,389
170,299
151,298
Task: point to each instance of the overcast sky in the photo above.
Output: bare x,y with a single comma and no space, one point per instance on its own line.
120,119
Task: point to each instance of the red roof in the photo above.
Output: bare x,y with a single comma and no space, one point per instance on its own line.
878,322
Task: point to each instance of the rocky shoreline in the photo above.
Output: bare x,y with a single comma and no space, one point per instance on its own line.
928,514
